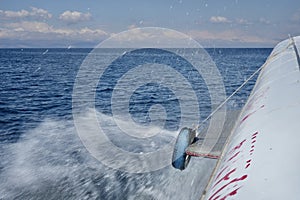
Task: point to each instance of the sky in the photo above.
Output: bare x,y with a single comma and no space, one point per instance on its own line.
85,23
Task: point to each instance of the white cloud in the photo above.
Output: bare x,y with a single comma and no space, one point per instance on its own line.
231,36
149,37
35,31
219,19
40,12
14,14
264,21
34,12
132,26
243,21
74,16
29,26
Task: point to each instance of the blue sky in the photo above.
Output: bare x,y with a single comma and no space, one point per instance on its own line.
85,23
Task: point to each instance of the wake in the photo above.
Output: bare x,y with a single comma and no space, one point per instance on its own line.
50,162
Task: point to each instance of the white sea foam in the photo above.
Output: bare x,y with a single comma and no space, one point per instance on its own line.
50,162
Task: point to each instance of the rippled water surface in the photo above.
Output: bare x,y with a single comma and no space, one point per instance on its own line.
41,155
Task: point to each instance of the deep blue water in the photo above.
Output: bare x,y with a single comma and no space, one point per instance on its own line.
35,86
37,131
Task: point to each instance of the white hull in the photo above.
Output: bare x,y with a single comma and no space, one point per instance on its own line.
260,160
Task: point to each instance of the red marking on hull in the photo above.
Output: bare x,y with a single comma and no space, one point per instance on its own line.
224,186
234,192
238,146
256,98
224,182
254,134
251,113
225,178
246,117
235,155
220,173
